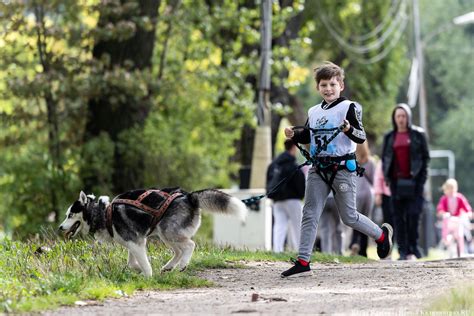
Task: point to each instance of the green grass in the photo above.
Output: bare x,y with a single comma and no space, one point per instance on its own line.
459,300
86,269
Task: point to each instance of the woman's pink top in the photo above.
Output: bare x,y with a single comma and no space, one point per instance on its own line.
380,187
454,205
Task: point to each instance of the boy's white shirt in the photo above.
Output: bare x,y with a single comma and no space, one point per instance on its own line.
328,120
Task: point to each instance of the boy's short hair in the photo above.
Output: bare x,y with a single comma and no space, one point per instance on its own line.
328,70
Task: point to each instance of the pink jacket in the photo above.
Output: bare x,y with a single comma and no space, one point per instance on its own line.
462,205
380,187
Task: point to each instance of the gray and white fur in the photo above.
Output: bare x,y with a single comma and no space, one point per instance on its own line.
132,226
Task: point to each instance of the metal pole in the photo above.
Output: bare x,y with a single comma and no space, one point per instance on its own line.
422,93
421,62
263,113
427,219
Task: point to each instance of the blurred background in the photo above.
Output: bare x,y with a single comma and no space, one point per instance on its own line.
106,96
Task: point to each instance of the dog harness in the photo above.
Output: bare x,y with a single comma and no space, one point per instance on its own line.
154,202
327,167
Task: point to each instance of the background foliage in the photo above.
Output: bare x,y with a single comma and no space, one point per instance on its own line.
449,76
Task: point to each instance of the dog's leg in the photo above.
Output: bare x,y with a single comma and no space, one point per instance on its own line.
138,250
188,249
178,253
132,262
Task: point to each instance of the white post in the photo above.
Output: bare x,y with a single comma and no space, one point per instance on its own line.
262,152
422,92
421,62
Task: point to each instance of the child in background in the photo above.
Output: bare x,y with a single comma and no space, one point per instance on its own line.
453,206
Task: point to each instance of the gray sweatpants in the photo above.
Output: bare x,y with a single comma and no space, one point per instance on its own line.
316,194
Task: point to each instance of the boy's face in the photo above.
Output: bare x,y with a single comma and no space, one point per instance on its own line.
330,89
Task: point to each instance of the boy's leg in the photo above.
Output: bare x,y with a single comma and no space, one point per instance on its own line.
315,197
345,186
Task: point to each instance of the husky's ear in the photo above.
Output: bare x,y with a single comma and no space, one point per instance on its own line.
83,198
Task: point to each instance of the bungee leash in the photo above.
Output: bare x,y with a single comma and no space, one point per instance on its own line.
252,202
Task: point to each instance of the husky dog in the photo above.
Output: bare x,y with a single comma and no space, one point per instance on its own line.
130,225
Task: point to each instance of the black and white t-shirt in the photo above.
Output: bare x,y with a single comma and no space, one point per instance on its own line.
324,119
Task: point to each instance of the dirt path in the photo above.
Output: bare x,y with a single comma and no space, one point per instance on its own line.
383,287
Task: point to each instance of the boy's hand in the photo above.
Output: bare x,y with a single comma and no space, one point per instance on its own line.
347,126
289,133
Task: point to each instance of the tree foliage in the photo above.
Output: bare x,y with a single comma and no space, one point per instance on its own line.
449,73
43,85
374,84
110,95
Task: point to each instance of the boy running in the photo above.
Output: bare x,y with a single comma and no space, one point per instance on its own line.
334,168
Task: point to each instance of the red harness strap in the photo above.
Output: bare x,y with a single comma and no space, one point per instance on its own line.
156,213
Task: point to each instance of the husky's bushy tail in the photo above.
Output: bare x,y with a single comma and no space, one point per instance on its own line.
219,202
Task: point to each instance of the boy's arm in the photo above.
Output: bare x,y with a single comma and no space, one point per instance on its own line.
356,132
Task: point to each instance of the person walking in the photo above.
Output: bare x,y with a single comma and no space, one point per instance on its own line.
334,166
405,159
287,198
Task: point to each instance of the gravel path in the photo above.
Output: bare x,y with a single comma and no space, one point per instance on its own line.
378,288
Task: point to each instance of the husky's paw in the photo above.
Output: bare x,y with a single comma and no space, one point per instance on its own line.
183,269
166,269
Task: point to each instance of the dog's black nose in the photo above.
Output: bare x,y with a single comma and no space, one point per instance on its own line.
60,228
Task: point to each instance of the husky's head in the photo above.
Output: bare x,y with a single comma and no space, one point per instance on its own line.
77,213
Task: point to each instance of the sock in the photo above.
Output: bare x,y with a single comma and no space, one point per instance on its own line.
381,239
303,262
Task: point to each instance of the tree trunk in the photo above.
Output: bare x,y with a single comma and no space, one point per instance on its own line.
54,146
278,94
118,117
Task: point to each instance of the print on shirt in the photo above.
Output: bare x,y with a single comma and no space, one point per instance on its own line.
323,124
321,134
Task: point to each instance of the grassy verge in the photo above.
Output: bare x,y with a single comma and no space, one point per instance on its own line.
69,271
459,300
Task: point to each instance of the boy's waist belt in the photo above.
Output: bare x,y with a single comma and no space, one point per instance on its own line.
329,159
327,167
